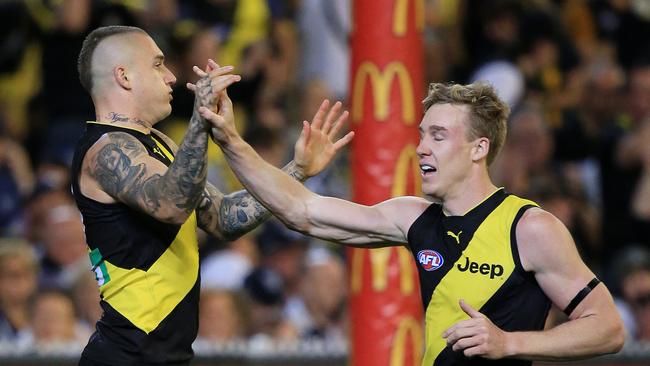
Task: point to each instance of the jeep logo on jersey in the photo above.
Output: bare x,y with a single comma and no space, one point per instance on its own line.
494,270
430,260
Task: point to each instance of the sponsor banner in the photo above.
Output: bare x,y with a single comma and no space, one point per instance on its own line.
386,90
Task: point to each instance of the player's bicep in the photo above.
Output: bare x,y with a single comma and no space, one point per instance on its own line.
122,168
547,249
384,224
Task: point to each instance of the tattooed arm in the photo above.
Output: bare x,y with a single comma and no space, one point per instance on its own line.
230,216
120,168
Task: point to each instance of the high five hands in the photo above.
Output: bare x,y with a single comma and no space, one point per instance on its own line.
314,149
211,97
476,336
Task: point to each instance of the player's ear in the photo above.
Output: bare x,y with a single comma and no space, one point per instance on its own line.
480,149
121,75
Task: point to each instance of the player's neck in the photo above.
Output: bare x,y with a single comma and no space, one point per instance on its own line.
468,195
122,119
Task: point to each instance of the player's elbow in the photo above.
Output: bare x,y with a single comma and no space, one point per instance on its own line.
611,334
616,336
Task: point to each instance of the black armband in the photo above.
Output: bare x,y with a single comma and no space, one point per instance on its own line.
581,296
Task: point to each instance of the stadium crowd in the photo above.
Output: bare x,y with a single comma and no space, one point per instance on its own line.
576,75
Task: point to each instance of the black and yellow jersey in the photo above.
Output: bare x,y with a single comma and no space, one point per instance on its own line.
147,271
474,257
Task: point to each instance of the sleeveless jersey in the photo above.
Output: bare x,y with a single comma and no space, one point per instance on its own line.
147,271
474,257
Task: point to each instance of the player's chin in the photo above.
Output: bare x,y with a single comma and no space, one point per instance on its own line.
430,189
162,113
166,110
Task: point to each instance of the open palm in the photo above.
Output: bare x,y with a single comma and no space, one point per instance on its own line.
316,146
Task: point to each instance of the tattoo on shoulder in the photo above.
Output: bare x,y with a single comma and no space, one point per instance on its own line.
114,170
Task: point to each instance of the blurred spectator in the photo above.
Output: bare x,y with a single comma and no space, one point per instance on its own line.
191,44
53,175
222,317
227,268
269,142
622,165
20,60
64,105
319,311
85,297
18,283
506,79
641,195
526,154
54,324
324,28
65,255
624,24
265,292
16,183
586,132
632,276
283,252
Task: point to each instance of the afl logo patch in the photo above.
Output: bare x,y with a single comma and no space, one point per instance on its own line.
430,260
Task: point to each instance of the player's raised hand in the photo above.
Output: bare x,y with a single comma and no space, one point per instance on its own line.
476,336
222,121
318,143
212,82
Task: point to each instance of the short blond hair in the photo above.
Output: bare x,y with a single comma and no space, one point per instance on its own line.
488,113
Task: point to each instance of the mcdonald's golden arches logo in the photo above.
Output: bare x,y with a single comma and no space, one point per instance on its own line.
407,158
400,16
407,327
381,83
379,260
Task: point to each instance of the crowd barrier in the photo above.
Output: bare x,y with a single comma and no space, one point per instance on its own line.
259,353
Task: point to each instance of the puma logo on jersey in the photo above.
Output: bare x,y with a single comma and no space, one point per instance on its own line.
494,270
455,236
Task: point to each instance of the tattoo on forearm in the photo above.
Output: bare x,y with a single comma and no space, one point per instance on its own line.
294,172
186,175
239,213
206,212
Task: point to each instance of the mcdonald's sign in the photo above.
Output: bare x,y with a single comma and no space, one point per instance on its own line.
407,158
379,259
407,327
381,83
400,16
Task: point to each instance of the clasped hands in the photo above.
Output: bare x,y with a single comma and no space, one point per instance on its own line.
314,149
